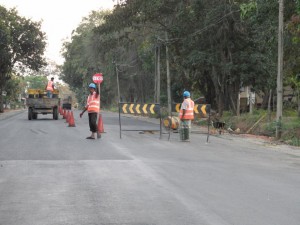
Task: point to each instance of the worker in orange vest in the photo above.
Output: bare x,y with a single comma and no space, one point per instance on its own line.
186,115
50,87
93,108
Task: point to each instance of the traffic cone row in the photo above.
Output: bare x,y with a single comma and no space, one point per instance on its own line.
100,124
71,120
68,115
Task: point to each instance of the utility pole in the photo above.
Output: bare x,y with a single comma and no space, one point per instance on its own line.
158,76
280,71
155,75
168,78
117,75
118,85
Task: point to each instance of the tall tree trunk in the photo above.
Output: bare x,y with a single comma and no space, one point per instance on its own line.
1,98
250,103
2,83
269,105
238,105
234,90
219,94
142,90
298,101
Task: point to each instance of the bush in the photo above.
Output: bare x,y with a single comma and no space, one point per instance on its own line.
290,124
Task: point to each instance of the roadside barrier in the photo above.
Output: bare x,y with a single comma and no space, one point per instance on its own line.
202,110
139,109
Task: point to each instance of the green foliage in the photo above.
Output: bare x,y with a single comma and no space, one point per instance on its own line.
22,45
36,82
298,7
290,125
215,47
291,130
13,90
248,8
290,113
294,141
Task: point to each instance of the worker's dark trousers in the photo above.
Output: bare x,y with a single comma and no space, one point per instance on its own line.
93,122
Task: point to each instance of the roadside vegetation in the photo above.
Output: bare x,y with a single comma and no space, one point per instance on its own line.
262,124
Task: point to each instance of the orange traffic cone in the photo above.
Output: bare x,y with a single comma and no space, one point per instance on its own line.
71,120
100,125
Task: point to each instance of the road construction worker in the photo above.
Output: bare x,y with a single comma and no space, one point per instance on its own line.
50,87
186,115
93,108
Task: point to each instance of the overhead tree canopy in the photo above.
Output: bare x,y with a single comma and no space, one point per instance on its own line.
215,47
22,45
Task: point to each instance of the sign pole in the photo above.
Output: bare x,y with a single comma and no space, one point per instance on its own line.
98,78
99,97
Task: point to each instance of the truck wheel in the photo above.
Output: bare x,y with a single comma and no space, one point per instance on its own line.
30,113
35,116
55,113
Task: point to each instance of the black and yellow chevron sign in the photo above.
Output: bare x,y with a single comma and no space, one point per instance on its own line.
202,109
134,108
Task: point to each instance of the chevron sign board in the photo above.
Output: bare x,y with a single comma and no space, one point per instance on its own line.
134,108
201,109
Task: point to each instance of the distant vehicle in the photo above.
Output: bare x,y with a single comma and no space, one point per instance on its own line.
67,102
38,103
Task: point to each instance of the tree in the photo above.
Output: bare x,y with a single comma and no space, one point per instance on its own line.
292,53
22,45
215,47
36,82
80,60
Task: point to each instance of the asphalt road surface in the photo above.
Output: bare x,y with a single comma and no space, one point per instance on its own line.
51,175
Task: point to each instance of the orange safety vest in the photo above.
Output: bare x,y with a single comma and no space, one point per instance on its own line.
93,103
189,111
50,86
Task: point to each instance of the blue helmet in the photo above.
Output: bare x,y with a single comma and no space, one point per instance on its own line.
92,85
186,94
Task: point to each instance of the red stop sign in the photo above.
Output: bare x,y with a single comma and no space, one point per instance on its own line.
98,78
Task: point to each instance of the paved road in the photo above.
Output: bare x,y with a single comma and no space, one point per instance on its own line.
51,175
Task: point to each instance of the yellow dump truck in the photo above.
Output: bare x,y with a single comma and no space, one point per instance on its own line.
38,103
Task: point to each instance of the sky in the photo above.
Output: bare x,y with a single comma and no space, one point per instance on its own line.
59,18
